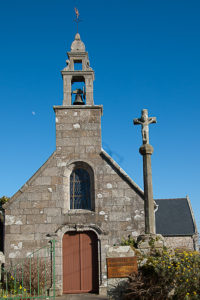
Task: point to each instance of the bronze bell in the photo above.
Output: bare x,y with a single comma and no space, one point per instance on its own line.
78,100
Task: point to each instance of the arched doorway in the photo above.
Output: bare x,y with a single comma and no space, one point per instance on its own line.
80,262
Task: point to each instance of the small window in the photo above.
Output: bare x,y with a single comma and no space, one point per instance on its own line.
77,65
80,197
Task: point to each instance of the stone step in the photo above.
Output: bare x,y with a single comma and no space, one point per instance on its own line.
81,296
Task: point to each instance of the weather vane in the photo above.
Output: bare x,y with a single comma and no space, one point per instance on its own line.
77,20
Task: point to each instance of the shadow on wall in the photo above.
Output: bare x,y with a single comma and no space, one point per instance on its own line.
117,288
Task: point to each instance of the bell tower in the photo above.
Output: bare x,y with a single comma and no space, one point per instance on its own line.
79,74
78,120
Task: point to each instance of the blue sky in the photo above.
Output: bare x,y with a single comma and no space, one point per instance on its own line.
145,54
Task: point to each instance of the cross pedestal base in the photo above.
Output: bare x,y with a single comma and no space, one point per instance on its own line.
149,243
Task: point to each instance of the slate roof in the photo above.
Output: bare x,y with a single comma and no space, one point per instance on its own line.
174,217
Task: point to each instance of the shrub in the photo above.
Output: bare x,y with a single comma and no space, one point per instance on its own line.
36,274
129,242
3,200
166,275
33,277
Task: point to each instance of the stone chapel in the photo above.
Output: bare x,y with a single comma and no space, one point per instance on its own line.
80,196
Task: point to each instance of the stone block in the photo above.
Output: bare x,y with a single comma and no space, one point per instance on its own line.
36,195
118,208
129,192
80,149
36,219
122,185
91,126
45,228
52,171
117,193
120,251
42,180
15,229
15,220
52,212
50,203
27,229
63,127
56,180
21,237
31,211
85,113
15,212
59,134
25,204
67,142
7,229
89,141
119,216
68,120
90,149
14,205
46,196
92,133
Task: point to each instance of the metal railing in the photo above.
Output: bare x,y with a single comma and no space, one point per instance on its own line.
32,277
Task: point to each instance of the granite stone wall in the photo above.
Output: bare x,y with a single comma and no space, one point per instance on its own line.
182,242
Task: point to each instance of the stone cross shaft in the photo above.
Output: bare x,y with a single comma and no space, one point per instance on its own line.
146,151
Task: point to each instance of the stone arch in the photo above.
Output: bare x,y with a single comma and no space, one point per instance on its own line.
79,227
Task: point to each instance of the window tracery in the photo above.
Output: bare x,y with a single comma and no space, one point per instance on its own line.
80,189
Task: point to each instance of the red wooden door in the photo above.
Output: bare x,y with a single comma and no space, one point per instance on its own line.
80,262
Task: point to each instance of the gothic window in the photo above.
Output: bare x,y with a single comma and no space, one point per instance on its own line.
80,196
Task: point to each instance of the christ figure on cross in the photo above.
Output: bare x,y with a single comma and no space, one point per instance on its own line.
145,121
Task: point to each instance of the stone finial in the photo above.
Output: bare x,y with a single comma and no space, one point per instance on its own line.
77,45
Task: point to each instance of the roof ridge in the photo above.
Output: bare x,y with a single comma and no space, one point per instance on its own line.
181,198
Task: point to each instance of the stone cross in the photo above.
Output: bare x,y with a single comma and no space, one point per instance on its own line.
146,150
145,121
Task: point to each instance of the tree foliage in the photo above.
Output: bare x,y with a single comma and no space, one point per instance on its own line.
3,200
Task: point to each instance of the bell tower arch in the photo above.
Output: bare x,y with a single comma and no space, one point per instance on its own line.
78,70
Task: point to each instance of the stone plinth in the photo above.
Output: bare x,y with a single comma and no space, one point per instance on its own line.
150,242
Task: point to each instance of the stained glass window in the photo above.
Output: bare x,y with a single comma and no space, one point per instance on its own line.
80,190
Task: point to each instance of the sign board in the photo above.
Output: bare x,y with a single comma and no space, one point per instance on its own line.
119,267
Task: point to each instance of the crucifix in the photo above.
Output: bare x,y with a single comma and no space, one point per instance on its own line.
145,121
146,151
